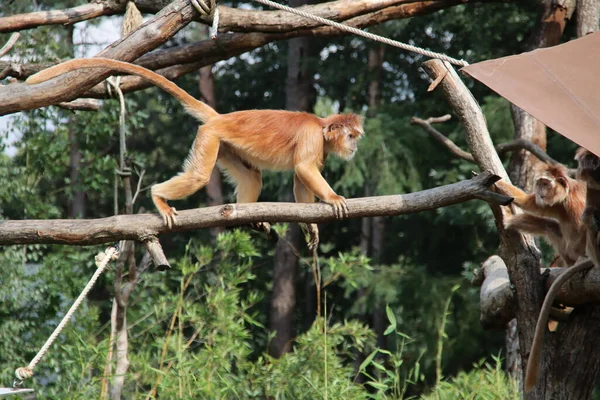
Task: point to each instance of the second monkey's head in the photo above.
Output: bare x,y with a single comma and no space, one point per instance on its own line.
342,133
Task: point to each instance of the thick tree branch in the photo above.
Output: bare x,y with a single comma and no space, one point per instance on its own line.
164,25
497,298
518,251
189,58
498,303
69,16
144,227
231,19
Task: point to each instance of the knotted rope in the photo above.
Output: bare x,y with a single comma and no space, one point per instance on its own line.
208,8
102,259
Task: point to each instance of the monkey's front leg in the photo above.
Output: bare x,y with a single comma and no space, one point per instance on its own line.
522,199
311,177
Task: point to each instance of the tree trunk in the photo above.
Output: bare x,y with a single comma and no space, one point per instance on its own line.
77,207
77,204
300,96
567,371
283,301
371,237
214,188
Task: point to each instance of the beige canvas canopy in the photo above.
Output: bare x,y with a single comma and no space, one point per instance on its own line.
558,85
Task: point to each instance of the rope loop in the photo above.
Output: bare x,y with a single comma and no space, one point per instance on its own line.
208,8
23,373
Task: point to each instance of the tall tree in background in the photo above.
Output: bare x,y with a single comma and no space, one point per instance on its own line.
77,207
214,188
300,96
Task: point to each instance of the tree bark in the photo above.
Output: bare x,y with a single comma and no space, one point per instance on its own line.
518,251
145,227
190,58
587,14
549,29
300,96
77,204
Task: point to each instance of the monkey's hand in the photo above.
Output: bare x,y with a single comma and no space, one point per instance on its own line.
169,217
340,208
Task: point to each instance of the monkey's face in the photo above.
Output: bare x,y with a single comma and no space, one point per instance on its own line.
550,191
343,139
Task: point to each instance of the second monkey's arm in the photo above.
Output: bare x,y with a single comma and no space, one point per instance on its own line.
522,199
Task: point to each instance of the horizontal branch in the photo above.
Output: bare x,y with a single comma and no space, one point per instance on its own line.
69,16
143,227
498,302
81,105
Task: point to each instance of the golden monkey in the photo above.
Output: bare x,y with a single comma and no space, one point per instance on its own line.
553,211
243,143
588,172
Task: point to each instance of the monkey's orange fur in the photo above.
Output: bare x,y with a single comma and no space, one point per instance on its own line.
584,208
243,143
555,210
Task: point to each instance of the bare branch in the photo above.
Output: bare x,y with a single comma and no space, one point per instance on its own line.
81,105
533,148
53,17
502,148
11,42
437,135
143,227
155,250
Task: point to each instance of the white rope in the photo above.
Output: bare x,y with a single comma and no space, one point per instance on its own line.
208,8
365,34
102,259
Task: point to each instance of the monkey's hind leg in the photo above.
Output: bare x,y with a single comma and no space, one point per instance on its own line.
247,180
195,176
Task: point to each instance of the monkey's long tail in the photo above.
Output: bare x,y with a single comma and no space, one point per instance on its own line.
192,105
533,365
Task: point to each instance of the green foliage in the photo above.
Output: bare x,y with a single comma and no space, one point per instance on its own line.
218,294
484,382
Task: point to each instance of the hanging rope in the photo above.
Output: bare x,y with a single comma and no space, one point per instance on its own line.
208,8
102,259
365,34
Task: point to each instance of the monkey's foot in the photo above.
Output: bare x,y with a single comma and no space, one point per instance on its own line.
340,208
313,231
169,216
261,227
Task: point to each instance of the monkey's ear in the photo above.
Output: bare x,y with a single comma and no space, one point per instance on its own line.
332,131
562,181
